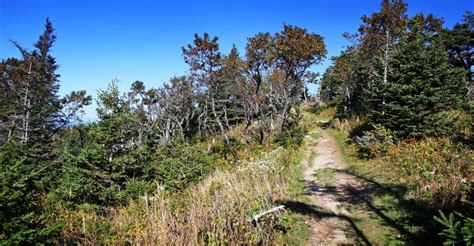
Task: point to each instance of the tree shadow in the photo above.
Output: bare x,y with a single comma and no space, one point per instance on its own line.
323,124
313,211
364,194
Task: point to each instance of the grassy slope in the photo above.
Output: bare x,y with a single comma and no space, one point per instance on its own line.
215,210
406,195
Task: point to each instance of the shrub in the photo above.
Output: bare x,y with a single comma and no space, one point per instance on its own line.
215,211
22,217
135,188
317,108
438,172
455,123
221,148
180,165
422,84
347,125
292,136
375,143
458,228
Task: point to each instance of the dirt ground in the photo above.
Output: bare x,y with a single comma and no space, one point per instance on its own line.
335,195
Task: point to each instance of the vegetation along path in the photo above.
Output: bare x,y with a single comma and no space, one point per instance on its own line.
341,210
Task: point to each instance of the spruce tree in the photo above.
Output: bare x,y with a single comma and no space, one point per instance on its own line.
459,43
422,83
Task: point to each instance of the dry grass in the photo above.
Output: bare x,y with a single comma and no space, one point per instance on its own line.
437,171
346,125
216,210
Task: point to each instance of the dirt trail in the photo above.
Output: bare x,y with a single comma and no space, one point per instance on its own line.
333,194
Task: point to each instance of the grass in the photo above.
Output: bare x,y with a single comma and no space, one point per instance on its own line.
298,231
315,134
216,210
325,175
312,158
409,186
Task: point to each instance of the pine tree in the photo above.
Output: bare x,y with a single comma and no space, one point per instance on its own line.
231,76
205,62
459,43
422,84
32,114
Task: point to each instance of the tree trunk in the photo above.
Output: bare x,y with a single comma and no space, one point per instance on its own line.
284,114
223,132
226,120
248,119
385,65
27,106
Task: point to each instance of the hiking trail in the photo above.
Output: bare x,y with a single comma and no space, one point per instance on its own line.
338,198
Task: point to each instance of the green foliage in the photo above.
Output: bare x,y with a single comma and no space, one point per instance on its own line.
375,143
437,171
221,148
343,82
178,166
21,182
459,45
458,228
421,177
293,133
421,85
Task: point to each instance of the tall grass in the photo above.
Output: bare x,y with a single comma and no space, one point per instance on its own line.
436,171
217,210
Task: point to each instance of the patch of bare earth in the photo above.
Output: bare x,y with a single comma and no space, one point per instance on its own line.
331,222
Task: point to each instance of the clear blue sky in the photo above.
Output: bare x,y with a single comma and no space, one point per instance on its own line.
141,40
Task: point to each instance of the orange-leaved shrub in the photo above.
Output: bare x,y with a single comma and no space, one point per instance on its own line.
437,171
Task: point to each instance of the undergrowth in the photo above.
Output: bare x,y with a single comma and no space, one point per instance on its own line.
413,181
217,210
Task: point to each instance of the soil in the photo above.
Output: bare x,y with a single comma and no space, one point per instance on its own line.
332,223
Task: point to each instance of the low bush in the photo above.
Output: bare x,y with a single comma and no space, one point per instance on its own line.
22,182
293,136
224,151
437,171
217,210
347,125
179,166
458,228
375,143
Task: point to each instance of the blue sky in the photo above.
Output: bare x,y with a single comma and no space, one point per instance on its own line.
141,40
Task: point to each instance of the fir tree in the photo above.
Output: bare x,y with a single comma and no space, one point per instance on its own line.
421,84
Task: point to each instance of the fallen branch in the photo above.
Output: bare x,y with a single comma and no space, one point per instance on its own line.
275,209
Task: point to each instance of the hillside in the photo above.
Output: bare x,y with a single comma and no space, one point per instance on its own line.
247,147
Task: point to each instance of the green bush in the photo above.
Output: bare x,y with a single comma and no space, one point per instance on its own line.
22,219
437,172
458,228
422,84
180,165
224,151
135,188
317,108
292,136
375,143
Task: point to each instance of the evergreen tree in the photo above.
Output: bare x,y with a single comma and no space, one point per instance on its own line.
111,155
422,84
344,82
459,43
32,116
231,75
